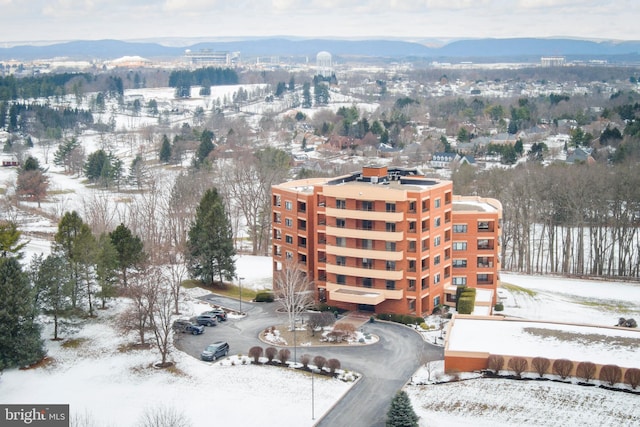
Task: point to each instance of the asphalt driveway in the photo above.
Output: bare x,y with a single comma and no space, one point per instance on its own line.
386,366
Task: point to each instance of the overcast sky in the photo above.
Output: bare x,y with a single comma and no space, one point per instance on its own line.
56,20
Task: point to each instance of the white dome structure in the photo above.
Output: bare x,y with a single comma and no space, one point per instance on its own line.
324,66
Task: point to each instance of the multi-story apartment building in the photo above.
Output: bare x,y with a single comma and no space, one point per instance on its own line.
387,240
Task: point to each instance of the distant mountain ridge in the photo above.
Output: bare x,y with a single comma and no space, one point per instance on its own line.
480,49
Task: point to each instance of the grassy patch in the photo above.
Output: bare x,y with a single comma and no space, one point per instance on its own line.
176,371
613,306
74,342
518,289
58,192
585,339
228,290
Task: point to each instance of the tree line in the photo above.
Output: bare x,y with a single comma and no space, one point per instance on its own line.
564,219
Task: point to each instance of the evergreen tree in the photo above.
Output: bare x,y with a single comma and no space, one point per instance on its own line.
106,268
401,413
20,342
210,245
205,147
72,232
129,248
9,237
165,150
306,95
31,164
52,282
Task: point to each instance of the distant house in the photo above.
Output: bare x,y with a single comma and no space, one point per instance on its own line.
441,160
580,155
504,138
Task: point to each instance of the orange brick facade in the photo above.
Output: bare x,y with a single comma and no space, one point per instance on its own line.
386,240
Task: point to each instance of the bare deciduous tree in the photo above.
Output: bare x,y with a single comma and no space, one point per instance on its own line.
294,290
632,377
333,364
319,320
256,353
611,374
164,416
270,353
562,367
142,293
283,355
586,370
495,362
540,365
518,365
160,315
319,361
305,359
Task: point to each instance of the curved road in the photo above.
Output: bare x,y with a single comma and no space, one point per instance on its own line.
386,366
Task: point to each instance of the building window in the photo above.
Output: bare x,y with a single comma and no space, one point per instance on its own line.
391,284
484,244
288,239
412,207
367,282
459,246
276,200
459,228
425,205
436,301
289,255
437,203
341,260
483,279
436,278
366,244
412,246
288,222
391,226
460,281
367,263
366,224
341,222
391,266
341,279
436,222
436,260
412,284
436,241
425,283
366,205
341,241
424,264
459,263
391,207
288,205
390,246
412,305
341,204
425,225
412,265
483,226
425,244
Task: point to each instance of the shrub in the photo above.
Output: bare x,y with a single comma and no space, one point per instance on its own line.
342,331
466,305
424,326
540,365
498,307
305,359
611,374
518,365
562,367
495,362
632,377
333,364
271,353
319,361
284,354
320,320
256,353
405,319
586,371
264,297
401,412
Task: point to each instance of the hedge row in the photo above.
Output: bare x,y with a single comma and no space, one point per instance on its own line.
405,319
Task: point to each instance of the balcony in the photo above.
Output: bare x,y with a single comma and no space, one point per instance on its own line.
370,215
362,272
364,253
396,236
357,295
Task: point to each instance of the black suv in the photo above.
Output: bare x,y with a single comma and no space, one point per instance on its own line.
207,319
219,313
186,326
215,351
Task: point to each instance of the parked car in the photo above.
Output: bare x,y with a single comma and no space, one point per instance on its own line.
215,351
207,320
219,313
186,326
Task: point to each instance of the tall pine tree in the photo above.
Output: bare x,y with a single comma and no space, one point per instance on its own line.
401,413
210,246
129,248
20,342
